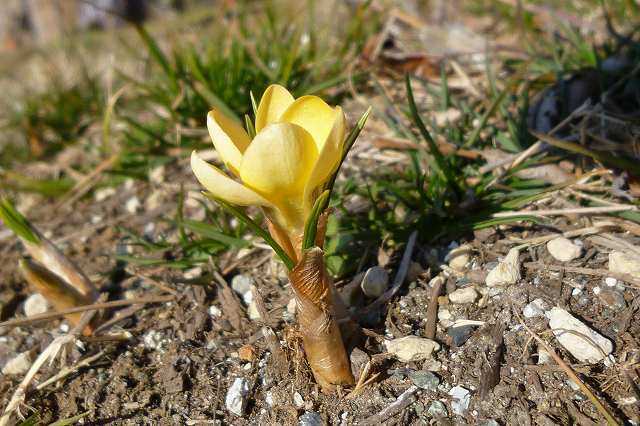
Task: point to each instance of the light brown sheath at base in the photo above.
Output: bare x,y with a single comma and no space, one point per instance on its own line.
321,336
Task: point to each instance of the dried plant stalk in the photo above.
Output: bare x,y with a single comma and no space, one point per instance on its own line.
58,292
321,337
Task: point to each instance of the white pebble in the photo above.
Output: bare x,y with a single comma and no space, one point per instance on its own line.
570,331
624,263
463,295
133,204
17,365
534,309
563,249
214,311
36,304
298,400
506,272
610,281
411,348
235,400
460,400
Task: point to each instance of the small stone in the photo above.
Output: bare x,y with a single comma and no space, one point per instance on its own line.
460,335
269,399
563,249
610,281
298,400
310,418
612,298
544,357
375,282
411,348
576,292
359,359
424,380
460,400
506,272
252,311
437,409
236,398
242,284
290,313
569,331
36,304
458,258
156,175
193,273
153,340
214,311
534,309
596,290
445,317
132,205
17,365
624,263
104,193
463,295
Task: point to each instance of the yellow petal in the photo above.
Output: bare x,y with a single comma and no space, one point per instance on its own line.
229,138
328,159
220,185
275,100
312,114
279,160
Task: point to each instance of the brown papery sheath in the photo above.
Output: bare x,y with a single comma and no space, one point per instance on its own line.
321,336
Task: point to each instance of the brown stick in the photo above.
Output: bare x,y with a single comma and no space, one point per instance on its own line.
95,306
432,309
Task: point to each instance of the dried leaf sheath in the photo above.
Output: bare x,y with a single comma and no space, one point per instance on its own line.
321,336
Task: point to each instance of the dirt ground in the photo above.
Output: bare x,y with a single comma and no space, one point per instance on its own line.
173,362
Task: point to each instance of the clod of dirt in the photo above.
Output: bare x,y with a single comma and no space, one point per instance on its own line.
563,249
571,333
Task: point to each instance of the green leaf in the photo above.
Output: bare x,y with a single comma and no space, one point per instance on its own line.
209,231
433,148
16,222
241,216
311,227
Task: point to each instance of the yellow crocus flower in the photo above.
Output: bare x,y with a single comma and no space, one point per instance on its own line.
297,148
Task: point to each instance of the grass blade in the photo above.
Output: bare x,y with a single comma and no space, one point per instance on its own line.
311,227
16,222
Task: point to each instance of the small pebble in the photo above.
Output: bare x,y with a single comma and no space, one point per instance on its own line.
36,304
506,272
563,249
235,400
460,335
445,317
544,357
596,290
610,281
424,380
458,258
242,284
104,193
576,292
411,348
17,365
298,400
437,409
569,331
624,263
310,418
463,295
612,298
534,309
193,273
215,311
133,205
375,282
460,400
